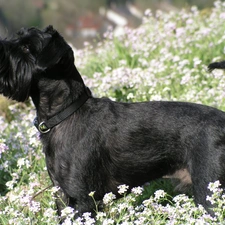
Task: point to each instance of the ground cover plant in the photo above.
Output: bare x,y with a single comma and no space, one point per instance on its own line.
165,58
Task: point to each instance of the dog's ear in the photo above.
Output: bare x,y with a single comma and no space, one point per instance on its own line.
55,48
49,29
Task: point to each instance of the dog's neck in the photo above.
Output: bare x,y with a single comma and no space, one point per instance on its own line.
45,125
51,99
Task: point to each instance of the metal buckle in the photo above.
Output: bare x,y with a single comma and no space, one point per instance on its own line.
42,127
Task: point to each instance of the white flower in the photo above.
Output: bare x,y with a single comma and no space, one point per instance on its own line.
100,216
159,194
107,69
91,194
109,197
79,221
213,186
67,221
10,184
148,12
210,199
23,162
137,190
197,61
125,223
3,148
122,189
148,202
88,219
180,198
130,96
49,213
67,212
55,189
122,206
34,206
108,222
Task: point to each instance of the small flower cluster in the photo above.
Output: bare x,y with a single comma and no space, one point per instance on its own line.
3,147
180,210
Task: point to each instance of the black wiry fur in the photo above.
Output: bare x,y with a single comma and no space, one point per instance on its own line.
216,65
105,143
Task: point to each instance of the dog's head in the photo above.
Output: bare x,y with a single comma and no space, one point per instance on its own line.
30,56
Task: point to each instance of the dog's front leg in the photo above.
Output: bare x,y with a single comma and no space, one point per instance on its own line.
85,204
62,200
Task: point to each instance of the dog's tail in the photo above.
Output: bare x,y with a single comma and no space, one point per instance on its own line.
216,65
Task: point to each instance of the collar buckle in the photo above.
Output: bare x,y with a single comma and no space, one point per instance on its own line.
43,128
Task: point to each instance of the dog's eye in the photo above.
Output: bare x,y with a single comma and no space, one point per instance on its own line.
25,49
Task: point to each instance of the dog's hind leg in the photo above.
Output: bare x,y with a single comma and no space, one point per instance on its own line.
201,191
203,171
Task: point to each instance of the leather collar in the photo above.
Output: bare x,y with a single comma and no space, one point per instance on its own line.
45,126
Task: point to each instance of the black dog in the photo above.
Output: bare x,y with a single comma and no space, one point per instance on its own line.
95,144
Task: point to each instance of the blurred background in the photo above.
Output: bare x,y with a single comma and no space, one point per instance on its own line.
83,20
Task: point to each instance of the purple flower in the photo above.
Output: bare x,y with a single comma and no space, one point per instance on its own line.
3,148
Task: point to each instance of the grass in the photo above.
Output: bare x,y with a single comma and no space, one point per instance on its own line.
165,58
